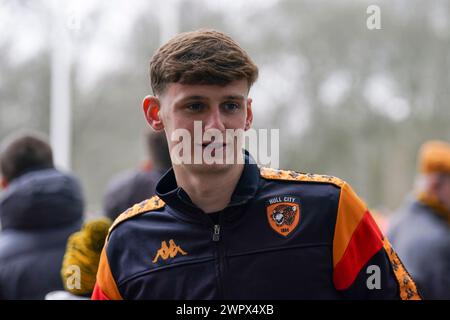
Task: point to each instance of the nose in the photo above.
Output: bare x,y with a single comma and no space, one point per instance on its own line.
214,120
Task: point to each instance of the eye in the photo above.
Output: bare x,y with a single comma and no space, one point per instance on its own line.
195,107
231,106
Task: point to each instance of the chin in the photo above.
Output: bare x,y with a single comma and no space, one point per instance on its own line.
209,168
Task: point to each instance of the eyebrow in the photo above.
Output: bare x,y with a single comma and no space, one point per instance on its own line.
234,97
228,97
194,98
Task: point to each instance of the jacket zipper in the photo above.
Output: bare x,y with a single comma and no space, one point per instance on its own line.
216,240
216,234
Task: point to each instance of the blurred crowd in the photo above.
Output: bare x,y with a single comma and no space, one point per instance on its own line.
48,250
47,247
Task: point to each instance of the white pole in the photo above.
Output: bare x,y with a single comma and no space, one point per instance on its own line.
60,104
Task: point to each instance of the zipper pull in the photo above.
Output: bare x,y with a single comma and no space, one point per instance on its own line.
216,235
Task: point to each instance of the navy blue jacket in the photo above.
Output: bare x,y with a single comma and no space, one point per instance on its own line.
38,212
284,235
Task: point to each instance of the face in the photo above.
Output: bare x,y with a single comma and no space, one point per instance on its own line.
217,108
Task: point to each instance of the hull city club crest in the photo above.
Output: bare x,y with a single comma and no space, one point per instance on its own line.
283,214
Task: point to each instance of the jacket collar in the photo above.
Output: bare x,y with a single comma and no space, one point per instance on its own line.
181,205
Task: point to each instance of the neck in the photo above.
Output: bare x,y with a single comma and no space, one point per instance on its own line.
210,191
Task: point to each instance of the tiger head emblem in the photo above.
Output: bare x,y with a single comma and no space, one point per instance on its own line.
284,214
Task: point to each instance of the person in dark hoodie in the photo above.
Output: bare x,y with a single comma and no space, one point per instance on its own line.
39,208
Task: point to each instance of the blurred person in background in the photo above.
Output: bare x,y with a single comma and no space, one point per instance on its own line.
39,208
421,231
131,187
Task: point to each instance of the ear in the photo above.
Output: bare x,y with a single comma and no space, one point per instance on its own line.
3,183
151,111
249,119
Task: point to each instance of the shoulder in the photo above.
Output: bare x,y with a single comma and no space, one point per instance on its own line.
290,175
348,200
152,204
322,191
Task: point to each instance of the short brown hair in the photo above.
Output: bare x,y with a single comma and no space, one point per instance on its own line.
200,57
23,152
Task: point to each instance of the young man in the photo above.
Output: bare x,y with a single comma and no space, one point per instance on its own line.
421,232
233,230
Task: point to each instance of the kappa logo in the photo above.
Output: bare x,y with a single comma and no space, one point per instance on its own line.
166,252
283,214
